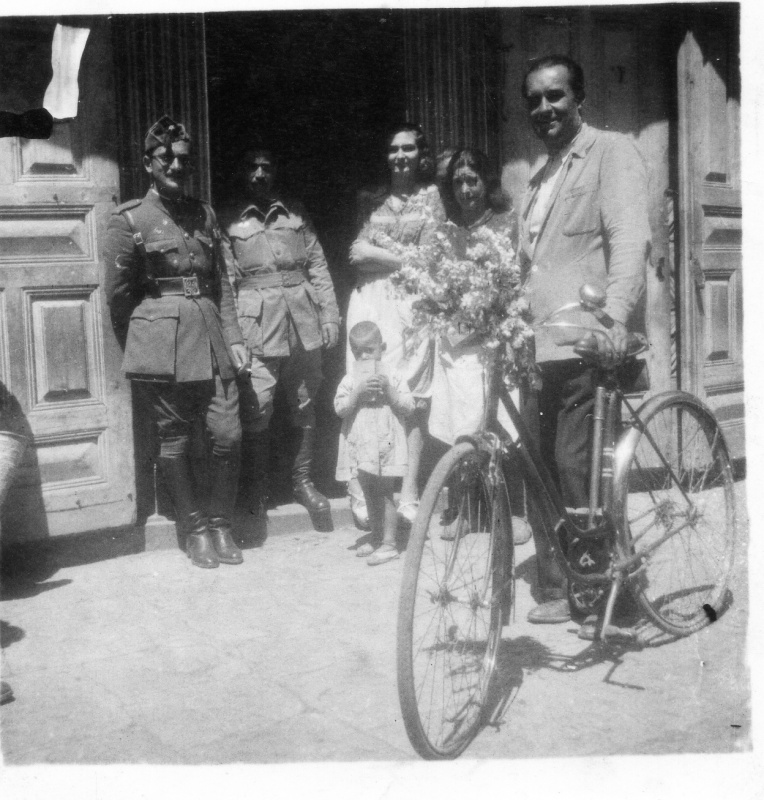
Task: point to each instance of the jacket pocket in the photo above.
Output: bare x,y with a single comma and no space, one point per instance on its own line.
162,255
250,306
151,337
581,210
161,246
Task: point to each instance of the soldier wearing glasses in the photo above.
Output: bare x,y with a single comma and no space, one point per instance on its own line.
173,311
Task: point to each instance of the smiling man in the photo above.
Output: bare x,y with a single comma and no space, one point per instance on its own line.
583,220
173,311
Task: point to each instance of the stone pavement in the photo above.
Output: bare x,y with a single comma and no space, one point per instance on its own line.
144,659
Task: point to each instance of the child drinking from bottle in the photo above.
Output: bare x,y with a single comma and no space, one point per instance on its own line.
373,403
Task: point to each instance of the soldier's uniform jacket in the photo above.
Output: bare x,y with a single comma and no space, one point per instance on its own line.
283,286
171,302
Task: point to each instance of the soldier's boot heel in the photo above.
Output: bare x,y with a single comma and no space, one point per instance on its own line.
317,505
199,546
222,541
305,493
224,479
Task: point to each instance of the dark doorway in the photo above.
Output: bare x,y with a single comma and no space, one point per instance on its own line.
322,87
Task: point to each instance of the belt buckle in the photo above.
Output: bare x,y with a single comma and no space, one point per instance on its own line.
191,286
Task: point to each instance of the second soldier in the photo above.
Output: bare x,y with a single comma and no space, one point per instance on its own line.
287,312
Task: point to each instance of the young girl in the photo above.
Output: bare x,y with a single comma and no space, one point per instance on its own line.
373,402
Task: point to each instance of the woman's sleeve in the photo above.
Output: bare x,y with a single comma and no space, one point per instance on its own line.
366,201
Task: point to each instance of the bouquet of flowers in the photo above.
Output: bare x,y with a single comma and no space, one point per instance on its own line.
470,281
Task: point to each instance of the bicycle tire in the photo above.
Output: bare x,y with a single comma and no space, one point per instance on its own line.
675,474
451,604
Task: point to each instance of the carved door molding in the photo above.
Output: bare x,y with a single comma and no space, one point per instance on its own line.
59,360
710,237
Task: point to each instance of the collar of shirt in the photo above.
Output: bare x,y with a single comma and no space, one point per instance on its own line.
276,207
556,161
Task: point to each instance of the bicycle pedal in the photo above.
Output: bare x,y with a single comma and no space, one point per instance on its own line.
610,632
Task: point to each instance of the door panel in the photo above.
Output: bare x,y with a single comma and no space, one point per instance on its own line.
711,206
61,370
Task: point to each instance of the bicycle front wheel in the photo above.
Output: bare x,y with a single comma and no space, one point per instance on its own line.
450,613
675,500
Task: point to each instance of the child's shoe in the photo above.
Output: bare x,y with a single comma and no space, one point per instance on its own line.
385,553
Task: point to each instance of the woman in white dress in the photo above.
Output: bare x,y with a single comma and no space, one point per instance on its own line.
406,212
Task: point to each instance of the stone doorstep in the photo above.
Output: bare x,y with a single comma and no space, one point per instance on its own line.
158,534
289,518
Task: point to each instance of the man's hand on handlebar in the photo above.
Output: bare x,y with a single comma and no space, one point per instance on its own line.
619,336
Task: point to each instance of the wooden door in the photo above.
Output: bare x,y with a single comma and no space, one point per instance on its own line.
453,77
711,286
59,361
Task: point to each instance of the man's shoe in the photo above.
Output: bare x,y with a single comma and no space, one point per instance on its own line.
201,552
222,541
521,530
550,613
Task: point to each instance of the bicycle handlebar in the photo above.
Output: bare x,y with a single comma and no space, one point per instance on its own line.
595,345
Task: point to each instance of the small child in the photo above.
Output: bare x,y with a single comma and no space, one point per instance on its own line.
373,404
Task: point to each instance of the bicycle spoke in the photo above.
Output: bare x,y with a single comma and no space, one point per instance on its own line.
678,509
453,608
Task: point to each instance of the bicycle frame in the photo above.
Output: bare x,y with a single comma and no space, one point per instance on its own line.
536,474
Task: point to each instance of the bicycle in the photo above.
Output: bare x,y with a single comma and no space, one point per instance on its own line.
661,521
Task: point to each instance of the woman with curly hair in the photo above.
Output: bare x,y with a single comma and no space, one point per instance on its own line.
405,212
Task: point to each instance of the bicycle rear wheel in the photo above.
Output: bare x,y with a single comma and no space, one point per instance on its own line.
675,500
450,612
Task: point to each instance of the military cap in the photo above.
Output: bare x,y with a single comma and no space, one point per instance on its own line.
164,132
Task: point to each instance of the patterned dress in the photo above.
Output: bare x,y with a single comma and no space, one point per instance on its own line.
391,220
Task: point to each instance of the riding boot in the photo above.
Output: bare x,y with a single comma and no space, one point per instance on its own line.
305,492
199,546
192,523
224,480
255,454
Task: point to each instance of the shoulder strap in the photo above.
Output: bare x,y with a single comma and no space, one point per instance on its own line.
212,222
140,245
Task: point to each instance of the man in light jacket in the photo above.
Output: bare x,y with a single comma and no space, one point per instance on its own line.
584,219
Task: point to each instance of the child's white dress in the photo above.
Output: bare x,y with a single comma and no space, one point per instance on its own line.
373,437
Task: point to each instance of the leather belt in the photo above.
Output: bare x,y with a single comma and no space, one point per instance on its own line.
271,279
186,285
